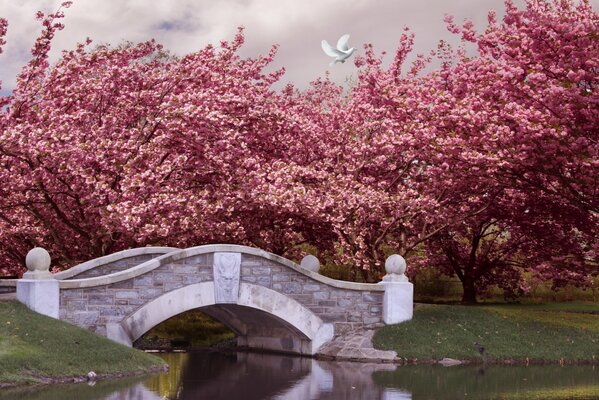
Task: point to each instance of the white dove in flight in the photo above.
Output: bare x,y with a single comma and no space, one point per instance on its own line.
341,53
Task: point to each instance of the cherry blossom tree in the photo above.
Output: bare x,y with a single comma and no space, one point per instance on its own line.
483,167
118,147
525,114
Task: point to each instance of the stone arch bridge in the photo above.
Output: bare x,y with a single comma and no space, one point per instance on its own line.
268,301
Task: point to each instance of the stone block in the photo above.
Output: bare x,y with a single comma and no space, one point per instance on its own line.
354,317
398,302
321,295
71,294
264,281
128,284
292,287
327,303
118,311
245,270
344,302
167,277
127,294
342,328
186,269
95,290
372,320
84,318
143,280
372,297
100,299
205,275
261,271
40,295
249,261
310,287
76,305
281,277
199,260
334,317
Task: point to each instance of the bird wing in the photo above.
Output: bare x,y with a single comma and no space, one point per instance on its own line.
342,43
330,50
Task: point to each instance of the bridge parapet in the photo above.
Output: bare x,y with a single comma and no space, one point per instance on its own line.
112,263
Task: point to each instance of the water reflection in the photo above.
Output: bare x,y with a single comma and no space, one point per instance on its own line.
249,376
125,389
495,382
265,376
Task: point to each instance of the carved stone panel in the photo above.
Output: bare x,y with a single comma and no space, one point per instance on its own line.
226,277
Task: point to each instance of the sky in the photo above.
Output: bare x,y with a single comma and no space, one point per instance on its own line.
297,26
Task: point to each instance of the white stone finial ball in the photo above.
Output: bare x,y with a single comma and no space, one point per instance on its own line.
38,259
311,263
395,264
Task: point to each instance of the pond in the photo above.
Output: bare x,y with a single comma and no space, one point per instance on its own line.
213,375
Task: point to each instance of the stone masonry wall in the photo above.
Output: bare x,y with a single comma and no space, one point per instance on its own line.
94,307
347,309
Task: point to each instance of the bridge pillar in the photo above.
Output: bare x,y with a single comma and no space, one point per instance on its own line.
38,290
398,300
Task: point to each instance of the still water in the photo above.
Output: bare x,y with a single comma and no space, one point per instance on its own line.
247,376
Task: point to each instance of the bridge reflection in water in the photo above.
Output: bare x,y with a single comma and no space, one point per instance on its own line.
211,375
266,376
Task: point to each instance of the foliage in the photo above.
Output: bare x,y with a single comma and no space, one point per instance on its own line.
118,147
528,121
190,329
484,167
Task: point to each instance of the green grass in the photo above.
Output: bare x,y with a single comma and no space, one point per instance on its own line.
508,332
34,348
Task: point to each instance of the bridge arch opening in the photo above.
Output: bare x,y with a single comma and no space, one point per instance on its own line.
261,318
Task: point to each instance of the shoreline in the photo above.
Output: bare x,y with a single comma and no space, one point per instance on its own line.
41,381
61,380
450,362
402,361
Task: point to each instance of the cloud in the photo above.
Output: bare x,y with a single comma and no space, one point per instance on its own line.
184,26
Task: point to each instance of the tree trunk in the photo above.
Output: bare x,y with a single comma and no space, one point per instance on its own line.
469,295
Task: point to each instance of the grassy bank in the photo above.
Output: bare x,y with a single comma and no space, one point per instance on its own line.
539,333
38,349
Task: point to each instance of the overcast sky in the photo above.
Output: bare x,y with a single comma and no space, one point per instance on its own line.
297,26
